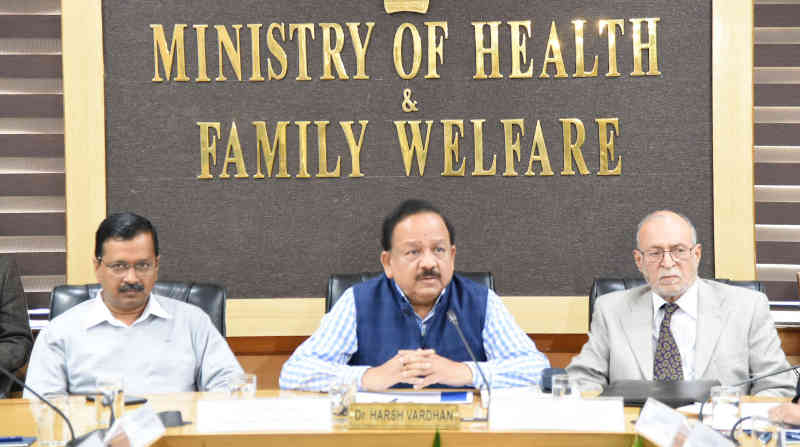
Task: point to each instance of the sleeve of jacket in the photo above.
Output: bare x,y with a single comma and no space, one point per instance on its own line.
766,354
16,340
592,363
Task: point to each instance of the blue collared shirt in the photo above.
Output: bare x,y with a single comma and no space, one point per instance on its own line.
321,361
172,346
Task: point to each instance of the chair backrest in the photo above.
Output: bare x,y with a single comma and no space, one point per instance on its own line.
601,286
339,282
209,297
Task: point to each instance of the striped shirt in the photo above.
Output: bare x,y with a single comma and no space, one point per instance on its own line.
321,361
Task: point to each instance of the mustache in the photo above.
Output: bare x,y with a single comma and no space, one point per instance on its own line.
432,273
133,287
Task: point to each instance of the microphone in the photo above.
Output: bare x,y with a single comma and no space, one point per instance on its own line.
454,320
756,379
73,442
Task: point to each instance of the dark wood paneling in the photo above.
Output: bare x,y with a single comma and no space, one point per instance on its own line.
777,15
32,145
33,66
30,26
30,106
777,95
41,263
777,213
777,174
40,224
777,56
777,134
264,345
38,300
778,252
32,184
781,290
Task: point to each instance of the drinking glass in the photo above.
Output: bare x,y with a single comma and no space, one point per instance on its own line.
342,394
725,406
110,398
51,427
764,432
561,386
242,386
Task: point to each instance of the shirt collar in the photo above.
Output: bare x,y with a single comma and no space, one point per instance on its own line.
687,302
433,310
99,312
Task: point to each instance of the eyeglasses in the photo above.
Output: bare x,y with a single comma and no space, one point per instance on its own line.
121,268
655,255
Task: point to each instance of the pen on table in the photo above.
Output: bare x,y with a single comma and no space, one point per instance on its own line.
10,438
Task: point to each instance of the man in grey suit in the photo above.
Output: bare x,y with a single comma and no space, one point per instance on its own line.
678,326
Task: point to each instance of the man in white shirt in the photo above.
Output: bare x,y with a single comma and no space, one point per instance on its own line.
680,327
156,344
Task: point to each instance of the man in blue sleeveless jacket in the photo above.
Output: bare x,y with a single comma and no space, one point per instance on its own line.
393,330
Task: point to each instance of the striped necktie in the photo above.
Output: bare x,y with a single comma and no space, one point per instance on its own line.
667,362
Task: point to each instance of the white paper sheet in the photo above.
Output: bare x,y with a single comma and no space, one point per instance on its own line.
424,397
295,414
530,410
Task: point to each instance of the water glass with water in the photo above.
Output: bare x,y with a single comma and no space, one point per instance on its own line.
725,406
51,427
561,386
764,431
243,386
342,394
110,397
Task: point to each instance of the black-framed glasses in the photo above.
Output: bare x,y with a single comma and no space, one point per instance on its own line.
655,255
121,268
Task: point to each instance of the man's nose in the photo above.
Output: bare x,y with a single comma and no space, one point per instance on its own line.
428,260
130,276
667,260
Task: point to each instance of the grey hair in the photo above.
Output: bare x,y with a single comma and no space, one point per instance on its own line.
655,213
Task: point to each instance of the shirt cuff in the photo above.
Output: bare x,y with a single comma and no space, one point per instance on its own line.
477,380
353,374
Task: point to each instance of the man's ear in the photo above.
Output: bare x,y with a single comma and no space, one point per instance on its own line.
386,261
638,259
97,264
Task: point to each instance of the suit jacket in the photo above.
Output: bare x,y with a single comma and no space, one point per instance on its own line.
16,340
736,339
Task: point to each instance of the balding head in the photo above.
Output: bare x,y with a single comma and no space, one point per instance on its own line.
665,214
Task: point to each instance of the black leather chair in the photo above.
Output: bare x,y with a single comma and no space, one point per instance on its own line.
339,282
601,286
209,297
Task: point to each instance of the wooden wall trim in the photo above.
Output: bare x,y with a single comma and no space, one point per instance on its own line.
84,132
259,317
732,105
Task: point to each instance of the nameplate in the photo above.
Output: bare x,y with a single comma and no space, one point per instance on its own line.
394,415
525,410
280,415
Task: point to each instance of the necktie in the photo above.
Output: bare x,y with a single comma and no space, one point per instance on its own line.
667,362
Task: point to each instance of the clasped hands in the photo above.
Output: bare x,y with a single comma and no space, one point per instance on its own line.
419,368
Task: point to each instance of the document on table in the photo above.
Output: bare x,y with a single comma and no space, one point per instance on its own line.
528,409
282,415
423,397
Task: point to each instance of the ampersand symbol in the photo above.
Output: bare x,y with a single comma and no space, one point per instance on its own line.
408,104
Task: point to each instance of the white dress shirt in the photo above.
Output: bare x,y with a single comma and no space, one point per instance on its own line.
683,327
172,346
